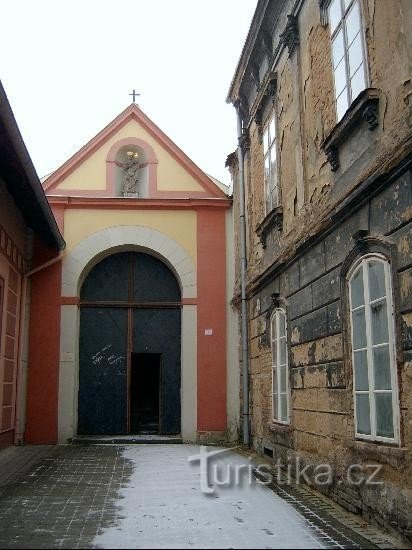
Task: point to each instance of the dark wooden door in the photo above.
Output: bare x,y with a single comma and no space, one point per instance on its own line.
130,305
103,371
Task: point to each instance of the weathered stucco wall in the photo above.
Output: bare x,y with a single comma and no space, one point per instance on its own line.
303,260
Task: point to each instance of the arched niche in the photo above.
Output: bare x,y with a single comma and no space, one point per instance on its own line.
131,169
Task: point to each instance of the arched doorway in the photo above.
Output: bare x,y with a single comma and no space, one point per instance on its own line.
129,350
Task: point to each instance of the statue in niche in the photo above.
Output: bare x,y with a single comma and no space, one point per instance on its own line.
130,174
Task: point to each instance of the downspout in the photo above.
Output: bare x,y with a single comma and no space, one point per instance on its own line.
18,435
243,266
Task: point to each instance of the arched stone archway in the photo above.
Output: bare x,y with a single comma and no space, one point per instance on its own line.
76,265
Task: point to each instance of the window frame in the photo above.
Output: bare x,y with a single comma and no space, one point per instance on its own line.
272,146
276,367
333,35
362,263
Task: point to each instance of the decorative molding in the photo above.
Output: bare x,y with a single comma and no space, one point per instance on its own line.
290,36
323,7
273,220
333,157
361,244
231,160
371,115
259,122
267,45
272,87
364,108
244,141
255,76
276,302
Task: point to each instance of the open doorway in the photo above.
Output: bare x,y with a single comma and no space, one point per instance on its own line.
145,393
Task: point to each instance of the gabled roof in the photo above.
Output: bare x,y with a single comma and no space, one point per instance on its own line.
22,181
133,112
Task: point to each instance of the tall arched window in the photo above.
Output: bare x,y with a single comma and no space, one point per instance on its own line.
280,370
373,350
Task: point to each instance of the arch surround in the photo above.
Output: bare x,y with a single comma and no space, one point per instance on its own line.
91,250
76,265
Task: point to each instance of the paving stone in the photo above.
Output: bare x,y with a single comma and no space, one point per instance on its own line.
148,496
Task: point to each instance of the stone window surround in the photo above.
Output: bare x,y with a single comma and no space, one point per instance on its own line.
364,108
361,263
275,340
365,245
342,27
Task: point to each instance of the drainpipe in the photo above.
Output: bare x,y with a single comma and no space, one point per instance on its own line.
243,264
18,434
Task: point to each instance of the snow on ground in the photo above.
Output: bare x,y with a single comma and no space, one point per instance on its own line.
163,506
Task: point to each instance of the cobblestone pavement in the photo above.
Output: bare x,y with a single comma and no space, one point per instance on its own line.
149,496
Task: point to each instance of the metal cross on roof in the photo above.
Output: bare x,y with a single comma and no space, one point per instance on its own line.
134,94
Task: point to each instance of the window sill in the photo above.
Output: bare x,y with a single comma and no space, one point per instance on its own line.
279,427
273,219
364,108
387,453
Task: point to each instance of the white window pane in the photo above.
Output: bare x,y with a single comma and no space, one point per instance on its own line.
361,370
347,3
274,198
265,141
283,407
282,372
272,130
382,368
273,175
363,414
376,275
353,22
274,356
379,323
356,286
267,169
273,154
338,48
355,55
282,324
274,381
335,14
358,83
384,414
340,77
342,104
282,351
359,329
275,406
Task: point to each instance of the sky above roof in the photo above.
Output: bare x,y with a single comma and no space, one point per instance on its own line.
68,68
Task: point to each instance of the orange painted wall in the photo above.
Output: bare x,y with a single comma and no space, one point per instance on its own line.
44,346
211,350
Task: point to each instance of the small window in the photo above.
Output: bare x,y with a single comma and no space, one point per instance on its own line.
373,350
348,52
280,370
271,166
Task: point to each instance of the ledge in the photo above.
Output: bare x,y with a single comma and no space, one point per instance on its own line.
385,453
283,428
365,107
273,219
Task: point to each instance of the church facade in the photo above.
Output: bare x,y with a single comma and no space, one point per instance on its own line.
143,327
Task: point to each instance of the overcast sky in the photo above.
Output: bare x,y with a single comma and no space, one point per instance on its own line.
68,66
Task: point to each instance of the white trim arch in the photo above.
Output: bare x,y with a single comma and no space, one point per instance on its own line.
98,245
76,265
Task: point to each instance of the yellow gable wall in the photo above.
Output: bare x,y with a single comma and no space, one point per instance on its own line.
91,174
178,225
